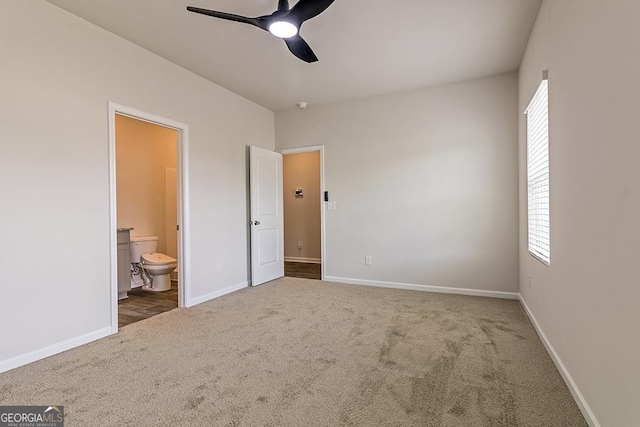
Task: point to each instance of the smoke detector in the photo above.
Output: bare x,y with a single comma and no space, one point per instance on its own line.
302,105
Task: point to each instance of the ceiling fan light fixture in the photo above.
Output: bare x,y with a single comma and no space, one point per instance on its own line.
283,29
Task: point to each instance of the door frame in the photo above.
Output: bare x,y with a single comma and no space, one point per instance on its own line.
323,247
182,165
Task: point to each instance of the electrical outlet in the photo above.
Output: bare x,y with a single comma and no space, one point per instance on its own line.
530,281
220,268
299,245
367,260
332,206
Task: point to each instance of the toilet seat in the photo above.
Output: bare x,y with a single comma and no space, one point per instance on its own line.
156,258
158,266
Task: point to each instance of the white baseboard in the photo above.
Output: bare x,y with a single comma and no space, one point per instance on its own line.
32,356
216,294
303,260
566,376
425,288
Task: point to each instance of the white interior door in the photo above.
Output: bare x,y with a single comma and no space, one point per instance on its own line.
267,216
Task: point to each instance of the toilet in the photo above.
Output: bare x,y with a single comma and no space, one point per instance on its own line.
158,266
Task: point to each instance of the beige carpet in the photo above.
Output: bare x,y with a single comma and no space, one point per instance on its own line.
298,352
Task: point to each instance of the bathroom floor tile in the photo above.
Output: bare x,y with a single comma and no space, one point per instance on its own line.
144,304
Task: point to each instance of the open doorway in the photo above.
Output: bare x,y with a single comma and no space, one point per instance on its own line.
303,194
148,200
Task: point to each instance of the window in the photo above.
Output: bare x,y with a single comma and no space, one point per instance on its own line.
538,174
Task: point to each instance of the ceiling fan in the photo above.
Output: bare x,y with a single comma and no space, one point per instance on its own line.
284,23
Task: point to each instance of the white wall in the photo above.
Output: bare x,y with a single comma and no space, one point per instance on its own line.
586,302
302,214
58,74
425,182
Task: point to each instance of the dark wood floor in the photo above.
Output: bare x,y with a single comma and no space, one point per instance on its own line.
144,304
303,270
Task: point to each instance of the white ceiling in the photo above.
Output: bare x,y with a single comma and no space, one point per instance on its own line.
365,47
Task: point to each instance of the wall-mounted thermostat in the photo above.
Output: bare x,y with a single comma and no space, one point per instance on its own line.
299,192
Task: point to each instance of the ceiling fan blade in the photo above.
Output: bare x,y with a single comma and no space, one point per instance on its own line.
307,9
227,16
301,49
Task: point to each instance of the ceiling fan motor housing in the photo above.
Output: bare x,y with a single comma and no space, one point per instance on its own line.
283,5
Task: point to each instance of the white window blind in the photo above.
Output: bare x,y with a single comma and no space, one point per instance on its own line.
538,174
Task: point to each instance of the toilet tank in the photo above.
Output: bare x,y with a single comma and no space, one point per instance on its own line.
142,245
